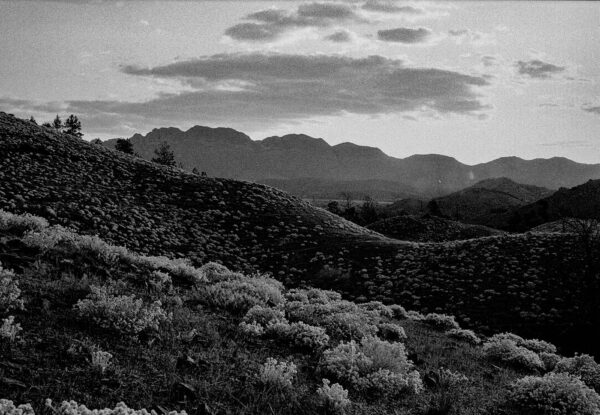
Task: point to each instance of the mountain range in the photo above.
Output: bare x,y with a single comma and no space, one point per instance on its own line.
288,160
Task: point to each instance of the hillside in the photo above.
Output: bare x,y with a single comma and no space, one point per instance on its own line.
429,229
94,324
581,201
224,152
488,198
524,283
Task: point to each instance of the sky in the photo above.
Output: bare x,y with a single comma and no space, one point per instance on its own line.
471,80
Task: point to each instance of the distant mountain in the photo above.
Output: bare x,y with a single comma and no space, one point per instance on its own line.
488,198
224,152
429,228
581,201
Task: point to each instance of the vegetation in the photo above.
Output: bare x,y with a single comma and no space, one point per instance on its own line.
124,146
164,155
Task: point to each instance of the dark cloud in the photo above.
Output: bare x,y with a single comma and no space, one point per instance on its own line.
270,24
592,109
390,7
341,36
405,35
271,88
538,69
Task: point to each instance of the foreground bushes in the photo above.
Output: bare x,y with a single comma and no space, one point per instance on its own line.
10,294
504,348
554,394
583,366
73,408
21,223
240,295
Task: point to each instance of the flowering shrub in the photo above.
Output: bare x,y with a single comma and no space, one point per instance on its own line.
21,223
583,366
465,335
556,394
277,374
9,292
8,408
334,398
373,366
9,330
399,312
101,359
73,408
264,315
506,351
123,313
441,321
391,332
241,295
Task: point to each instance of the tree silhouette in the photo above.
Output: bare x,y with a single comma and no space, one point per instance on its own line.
32,120
123,145
57,123
73,126
164,155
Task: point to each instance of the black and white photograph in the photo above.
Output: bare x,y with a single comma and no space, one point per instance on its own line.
321,207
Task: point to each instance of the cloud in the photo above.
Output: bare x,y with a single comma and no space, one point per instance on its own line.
271,24
341,36
256,90
592,109
390,7
536,68
405,35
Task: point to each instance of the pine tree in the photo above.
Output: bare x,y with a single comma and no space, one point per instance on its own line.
73,126
57,123
123,145
32,120
164,155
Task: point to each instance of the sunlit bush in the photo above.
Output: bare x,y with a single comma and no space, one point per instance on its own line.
391,332
300,335
333,398
9,330
242,295
279,375
556,394
506,351
465,335
73,408
8,408
10,294
378,307
399,312
583,366
21,223
264,315
441,321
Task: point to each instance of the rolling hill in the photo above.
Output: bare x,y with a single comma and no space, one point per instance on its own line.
224,152
526,283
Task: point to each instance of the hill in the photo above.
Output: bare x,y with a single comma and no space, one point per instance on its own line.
522,283
224,152
581,201
95,324
488,198
429,228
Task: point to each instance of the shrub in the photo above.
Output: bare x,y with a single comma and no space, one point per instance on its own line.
124,313
550,360
583,366
213,272
317,296
9,330
241,295
101,359
556,394
8,408
306,336
391,332
160,281
465,335
73,408
252,329
399,312
333,398
507,351
534,345
348,326
10,294
373,366
21,223
378,307
264,315
441,321
277,374
415,315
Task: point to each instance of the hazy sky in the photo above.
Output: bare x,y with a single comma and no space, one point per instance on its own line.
472,80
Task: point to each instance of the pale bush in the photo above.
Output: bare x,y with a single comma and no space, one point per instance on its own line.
377,307
305,336
534,345
160,281
9,330
333,398
441,321
506,351
465,335
252,329
399,312
241,295
296,294
101,359
179,267
583,366
73,408
124,313
8,408
213,271
386,383
318,296
277,374
555,394
20,223
264,315
391,332
49,238
415,315
10,294
550,360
